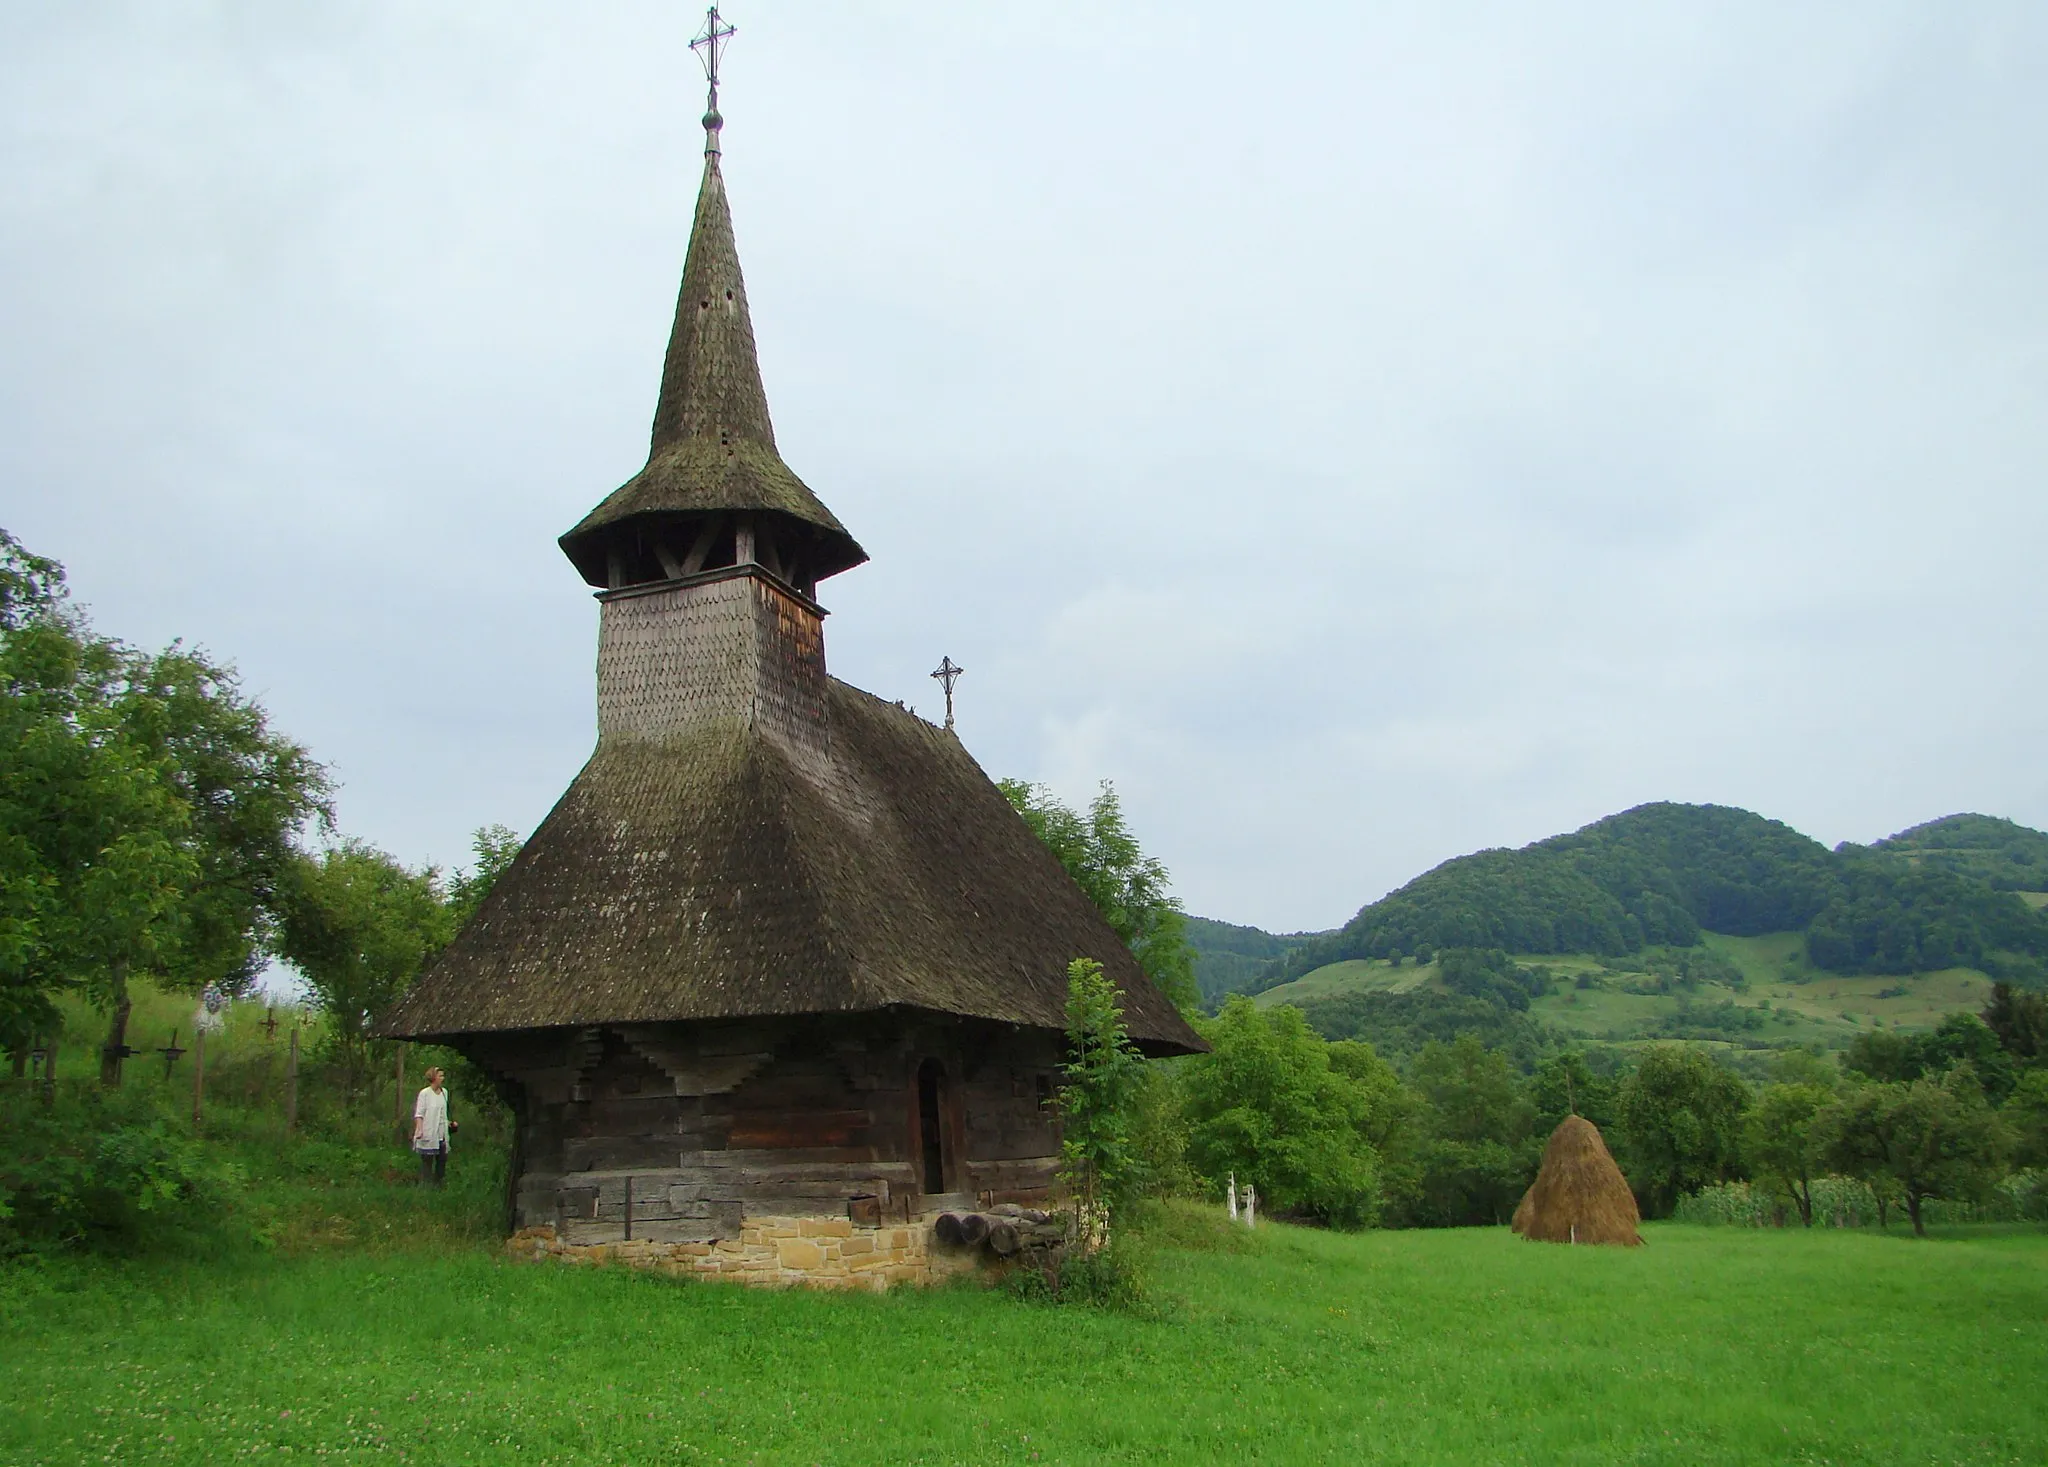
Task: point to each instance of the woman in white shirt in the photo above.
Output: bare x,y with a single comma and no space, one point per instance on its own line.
430,1130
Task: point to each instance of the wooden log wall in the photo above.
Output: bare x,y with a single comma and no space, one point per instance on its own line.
674,1133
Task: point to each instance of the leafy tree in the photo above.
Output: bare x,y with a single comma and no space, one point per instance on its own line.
1566,1086
247,791
2025,1114
1398,1025
1103,1077
495,848
1958,1040
1929,1138
1785,1140
2020,1021
94,841
360,926
1267,1104
148,812
1127,886
1479,1160
1679,1120
1392,1118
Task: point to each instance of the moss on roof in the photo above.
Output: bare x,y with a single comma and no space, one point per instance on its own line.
713,445
711,876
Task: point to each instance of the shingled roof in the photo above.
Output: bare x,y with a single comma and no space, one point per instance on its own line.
713,876
713,446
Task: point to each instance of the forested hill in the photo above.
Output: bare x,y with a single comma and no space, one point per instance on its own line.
1661,874
1999,853
1230,958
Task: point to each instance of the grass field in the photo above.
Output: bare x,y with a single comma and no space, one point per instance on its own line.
1350,976
1709,1345
1805,1005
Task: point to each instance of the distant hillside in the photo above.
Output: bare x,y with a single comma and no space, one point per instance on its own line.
1229,958
2001,854
1663,875
1743,996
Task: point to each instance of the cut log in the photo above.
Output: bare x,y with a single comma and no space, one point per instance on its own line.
973,1227
947,1228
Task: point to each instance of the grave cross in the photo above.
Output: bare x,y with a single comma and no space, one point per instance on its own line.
171,1053
948,674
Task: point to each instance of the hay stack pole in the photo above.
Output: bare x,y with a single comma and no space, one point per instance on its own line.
1579,1195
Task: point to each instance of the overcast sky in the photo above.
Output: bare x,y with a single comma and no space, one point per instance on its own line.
1365,433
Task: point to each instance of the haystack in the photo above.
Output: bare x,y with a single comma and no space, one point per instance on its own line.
1579,1195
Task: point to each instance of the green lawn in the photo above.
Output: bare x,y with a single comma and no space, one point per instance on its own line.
1456,1347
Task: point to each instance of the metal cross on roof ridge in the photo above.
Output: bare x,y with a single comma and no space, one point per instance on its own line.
948,674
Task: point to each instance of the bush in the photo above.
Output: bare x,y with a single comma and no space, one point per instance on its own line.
1109,1277
103,1172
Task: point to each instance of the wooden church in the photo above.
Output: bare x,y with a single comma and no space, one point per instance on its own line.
782,975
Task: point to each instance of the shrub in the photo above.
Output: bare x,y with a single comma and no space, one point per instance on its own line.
103,1172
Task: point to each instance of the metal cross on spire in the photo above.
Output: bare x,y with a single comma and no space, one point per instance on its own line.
948,674
709,45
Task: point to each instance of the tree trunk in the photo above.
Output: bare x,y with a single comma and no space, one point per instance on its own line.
1803,1195
1913,1200
115,1049
1883,1211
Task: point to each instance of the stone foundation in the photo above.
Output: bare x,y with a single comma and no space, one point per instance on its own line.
812,1252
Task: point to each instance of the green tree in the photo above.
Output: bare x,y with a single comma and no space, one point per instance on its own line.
1679,1118
148,813
247,791
1479,1159
1929,1138
1267,1104
360,926
1785,1140
95,854
495,848
1566,1085
2019,1019
1127,886
2025,1113
1104,1074
1958,1040
1392,1118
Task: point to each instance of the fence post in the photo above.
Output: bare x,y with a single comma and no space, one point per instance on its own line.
398,1114
291,1083
198,1076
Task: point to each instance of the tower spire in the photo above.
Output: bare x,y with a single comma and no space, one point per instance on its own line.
715,491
